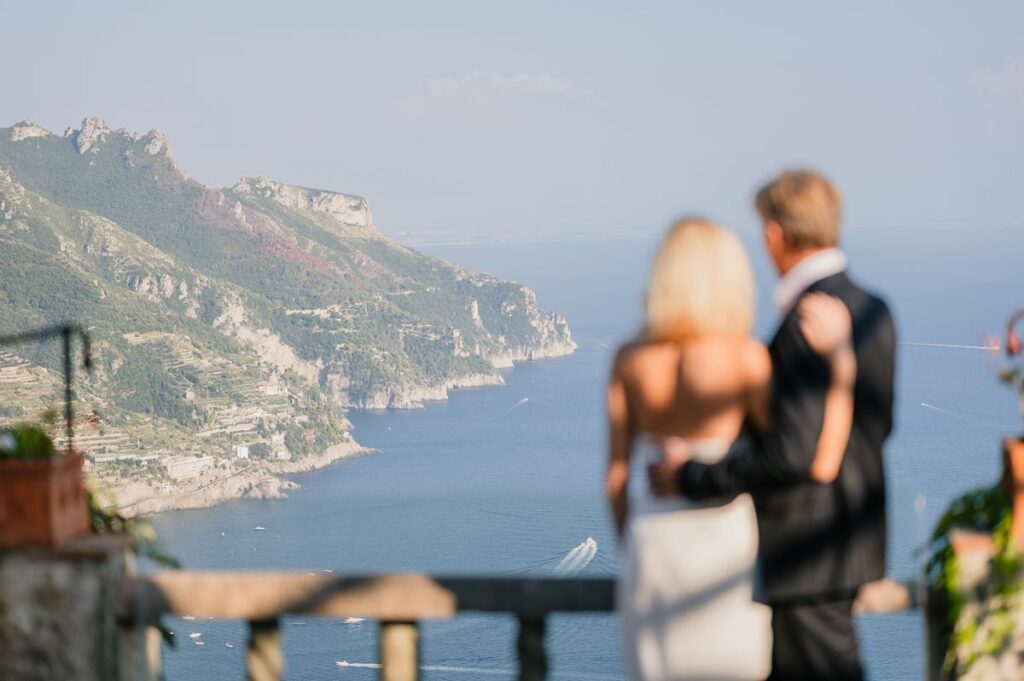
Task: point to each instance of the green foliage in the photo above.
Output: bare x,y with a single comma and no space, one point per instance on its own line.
295,440
146,387
987,510
260,450
1013,377
145,542
105,520
118,239
26,441
1012,373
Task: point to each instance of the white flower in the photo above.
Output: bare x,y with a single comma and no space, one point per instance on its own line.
7,442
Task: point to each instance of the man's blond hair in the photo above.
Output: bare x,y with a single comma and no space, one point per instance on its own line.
805,205
701,285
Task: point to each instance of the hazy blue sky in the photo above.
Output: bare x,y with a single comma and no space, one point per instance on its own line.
571,117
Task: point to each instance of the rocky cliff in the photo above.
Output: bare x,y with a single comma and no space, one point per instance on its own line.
227,318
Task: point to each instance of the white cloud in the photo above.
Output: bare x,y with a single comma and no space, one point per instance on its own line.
478,90
1006,82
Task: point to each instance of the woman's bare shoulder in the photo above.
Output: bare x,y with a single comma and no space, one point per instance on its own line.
637,356
757,362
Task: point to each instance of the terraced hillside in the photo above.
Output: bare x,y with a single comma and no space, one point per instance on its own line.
230,318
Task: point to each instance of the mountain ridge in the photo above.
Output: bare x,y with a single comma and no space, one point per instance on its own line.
239,292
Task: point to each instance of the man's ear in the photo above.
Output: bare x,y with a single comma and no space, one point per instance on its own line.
775,244
773,236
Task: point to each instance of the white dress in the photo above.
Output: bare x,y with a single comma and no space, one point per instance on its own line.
686,582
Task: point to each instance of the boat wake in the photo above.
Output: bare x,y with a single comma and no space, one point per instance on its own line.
951,346
960,413
577,559
511,409
477,671
430,668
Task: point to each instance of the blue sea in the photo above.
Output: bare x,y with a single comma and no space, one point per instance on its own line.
508,480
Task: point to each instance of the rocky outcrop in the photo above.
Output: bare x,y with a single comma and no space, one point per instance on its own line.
551,337
24,130
267,344
474,313
94,130
560,347
155,286
270,488
156,142
345,208
137,498
416,396
11,195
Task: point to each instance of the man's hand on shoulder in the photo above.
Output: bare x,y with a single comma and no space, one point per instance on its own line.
662,476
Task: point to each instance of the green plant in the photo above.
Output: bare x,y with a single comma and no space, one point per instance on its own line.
106,520
260,450
145,544
1012,374
29,440
985,510
26,441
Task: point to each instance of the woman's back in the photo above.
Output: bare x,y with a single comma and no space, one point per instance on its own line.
696,389
699,557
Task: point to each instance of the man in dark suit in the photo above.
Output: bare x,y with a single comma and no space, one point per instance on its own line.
820,541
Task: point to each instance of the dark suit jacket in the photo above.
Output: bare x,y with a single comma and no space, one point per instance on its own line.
817,540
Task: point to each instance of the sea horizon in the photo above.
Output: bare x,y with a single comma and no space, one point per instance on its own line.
487,483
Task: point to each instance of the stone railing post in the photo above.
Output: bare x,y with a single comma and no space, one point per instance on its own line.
264,660
399,651
533,659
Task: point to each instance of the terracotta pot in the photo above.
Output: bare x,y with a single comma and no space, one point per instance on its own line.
42,502
1013,482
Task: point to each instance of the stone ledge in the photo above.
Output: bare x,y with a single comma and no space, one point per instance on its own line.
89,547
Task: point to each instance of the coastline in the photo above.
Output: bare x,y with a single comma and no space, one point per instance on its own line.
266,480
262,482
418,396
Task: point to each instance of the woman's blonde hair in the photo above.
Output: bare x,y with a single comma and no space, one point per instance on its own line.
701,284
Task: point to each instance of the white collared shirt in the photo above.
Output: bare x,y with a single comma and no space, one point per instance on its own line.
805,274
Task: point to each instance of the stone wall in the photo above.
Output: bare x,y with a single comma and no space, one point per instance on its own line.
57,611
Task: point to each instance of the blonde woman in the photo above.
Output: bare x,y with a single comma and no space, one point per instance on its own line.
694,376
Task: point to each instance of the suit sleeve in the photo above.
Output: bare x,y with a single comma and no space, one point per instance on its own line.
784,455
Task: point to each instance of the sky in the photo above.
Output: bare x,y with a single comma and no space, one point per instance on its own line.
556,119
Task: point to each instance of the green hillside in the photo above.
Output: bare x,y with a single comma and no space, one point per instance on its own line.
231,316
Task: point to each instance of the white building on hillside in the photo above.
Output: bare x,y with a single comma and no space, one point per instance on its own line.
185,467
